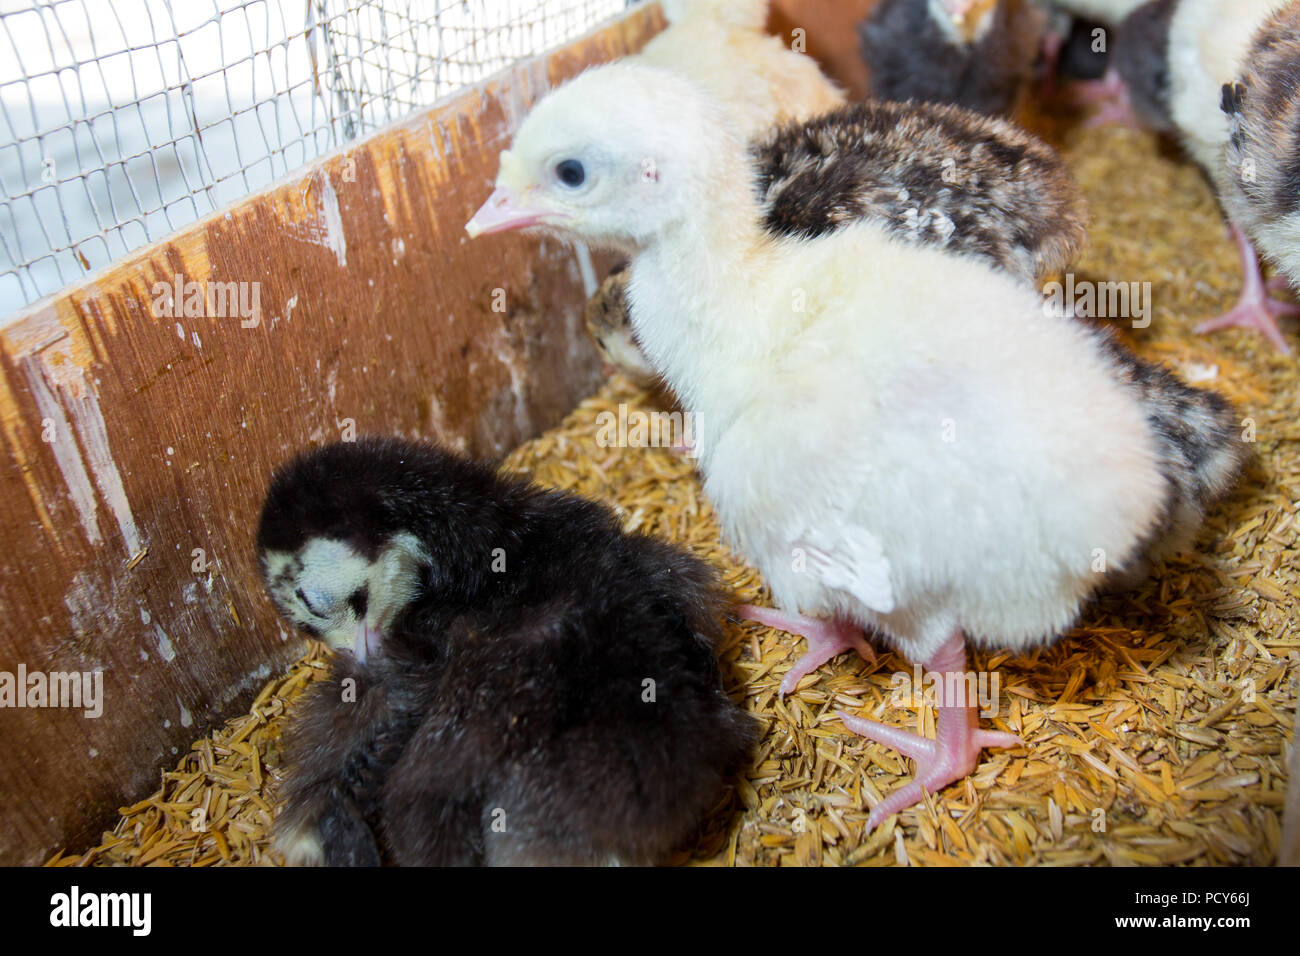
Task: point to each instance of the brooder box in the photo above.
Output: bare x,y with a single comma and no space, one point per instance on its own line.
144,407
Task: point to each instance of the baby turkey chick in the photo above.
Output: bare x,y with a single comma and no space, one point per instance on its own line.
974,53
948,467
1259,182
536,685
928,173
1234,102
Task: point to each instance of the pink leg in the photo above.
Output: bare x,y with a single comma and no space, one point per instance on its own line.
954,752
1051,62
1254,309
825,639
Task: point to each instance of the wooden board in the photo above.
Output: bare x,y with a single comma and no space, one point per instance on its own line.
139,439
830,36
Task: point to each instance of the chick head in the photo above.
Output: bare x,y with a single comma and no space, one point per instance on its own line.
611,158
335,542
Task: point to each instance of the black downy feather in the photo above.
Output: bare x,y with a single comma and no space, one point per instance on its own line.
553,673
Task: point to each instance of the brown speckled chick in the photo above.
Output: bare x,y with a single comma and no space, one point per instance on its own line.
930,173
1260,181
610,327
1233,70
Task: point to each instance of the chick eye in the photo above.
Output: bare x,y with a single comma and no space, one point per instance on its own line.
571,173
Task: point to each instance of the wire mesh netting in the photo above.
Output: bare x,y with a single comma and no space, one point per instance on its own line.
122,120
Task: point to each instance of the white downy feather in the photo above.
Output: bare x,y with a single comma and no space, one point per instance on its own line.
1207,41
892,434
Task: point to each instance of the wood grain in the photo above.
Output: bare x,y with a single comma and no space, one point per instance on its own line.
830,34
138,444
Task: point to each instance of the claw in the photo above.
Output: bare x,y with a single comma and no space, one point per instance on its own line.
826,639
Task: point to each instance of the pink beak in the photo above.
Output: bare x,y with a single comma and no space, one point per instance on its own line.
503,212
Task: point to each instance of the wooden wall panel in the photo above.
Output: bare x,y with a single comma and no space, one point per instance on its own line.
133,439
830,34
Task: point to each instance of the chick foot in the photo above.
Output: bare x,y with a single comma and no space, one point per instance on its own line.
825,639
955,751
1110,97
1255,309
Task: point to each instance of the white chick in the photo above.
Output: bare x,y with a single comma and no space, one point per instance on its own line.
943,465
1242,136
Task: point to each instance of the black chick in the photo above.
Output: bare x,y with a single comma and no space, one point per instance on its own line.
346,736
1142,63
974,53
545,690
1079,57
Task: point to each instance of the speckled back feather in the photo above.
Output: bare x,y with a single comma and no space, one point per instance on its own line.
932,174
1198,444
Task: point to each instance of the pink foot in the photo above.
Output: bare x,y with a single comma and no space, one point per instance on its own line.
1254,309
954,752
825,639
1110,97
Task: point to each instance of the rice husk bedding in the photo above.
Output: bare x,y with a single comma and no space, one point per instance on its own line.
1156,732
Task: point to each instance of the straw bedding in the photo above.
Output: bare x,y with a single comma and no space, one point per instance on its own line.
1157,732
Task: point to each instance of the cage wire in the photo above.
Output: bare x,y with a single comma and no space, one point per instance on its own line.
123,120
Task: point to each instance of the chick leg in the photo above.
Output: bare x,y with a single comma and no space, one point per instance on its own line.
1049,63
1255,308
954,752
825,639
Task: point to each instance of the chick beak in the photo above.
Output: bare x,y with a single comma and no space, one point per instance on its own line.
504,211
366,641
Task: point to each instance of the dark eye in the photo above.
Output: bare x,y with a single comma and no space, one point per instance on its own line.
571,173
